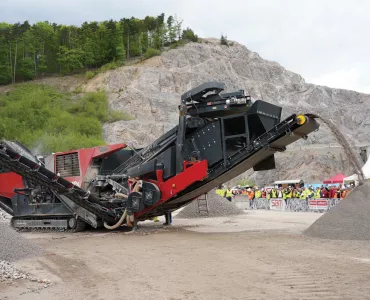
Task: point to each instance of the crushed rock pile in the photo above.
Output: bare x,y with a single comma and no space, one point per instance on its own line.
348,220
13,246
217,207
8,272
4,216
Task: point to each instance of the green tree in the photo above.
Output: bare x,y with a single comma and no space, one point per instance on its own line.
189,34
27,69
43,47
70,59
224,40
5,54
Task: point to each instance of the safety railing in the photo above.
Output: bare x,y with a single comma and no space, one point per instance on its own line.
290,204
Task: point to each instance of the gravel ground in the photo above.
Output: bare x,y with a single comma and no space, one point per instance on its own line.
13,246
348,220
4,216
260,263
217,207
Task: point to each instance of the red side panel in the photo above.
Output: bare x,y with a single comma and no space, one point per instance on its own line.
170,188
8,182
85,157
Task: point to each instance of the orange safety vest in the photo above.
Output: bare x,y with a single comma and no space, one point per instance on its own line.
263,194
250,195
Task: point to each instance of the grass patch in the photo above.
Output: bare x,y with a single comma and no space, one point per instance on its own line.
179,43
115,116
109,66
43,118
90,75
78,90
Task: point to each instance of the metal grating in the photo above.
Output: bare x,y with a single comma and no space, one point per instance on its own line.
67,165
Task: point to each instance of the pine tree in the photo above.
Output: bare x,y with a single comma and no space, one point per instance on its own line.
224,40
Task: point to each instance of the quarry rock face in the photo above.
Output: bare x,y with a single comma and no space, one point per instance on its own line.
150,92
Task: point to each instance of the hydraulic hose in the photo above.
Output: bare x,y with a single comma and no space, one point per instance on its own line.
118,224
124,215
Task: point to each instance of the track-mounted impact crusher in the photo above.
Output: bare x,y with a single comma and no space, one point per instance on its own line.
219,136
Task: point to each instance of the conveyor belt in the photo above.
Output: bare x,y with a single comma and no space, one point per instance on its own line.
27,168
278,137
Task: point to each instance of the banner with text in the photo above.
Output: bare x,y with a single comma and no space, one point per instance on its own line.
277,204
318,204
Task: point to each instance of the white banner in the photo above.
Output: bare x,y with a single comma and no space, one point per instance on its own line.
277,204
318,204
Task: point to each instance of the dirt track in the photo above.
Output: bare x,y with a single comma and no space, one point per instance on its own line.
179,263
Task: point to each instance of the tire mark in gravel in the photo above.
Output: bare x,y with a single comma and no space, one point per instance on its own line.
303,285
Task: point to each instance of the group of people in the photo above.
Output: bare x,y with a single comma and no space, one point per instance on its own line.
287,192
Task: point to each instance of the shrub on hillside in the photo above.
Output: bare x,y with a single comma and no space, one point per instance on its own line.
188,34
90,74
150,52
223,40
109,66
68,141
179,43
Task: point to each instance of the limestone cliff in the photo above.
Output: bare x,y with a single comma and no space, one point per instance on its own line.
150,91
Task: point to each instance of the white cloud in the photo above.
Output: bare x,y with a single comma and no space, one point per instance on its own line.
350,79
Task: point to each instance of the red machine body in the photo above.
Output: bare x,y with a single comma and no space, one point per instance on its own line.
193,172
8,182
84,158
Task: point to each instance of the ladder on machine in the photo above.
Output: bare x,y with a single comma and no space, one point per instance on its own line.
203,204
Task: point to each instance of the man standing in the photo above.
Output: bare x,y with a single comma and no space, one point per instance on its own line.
257,193
219,190
229,194
273,193
287,194
332,192
280,193
311,191
250,197
263,193
324,193
305,193
168,217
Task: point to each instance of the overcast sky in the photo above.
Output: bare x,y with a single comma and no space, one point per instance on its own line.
326,41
